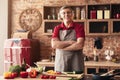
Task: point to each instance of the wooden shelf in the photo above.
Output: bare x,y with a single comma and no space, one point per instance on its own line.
110,22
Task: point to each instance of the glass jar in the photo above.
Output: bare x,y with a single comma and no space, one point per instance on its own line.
77,13
83,13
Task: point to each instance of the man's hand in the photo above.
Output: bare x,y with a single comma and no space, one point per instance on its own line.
56,43
76,45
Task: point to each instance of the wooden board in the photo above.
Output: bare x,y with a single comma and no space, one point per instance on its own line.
66,75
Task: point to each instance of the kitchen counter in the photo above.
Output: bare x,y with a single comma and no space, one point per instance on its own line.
38,78
89,65
102,63
58,78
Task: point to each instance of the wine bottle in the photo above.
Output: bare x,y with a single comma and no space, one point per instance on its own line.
23,66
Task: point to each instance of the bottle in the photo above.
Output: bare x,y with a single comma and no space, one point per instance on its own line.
118,14
53,57
23,66
83,13
49,17
106,13
99,14
95,55
85,58
77,13
96,58
93,13
53,13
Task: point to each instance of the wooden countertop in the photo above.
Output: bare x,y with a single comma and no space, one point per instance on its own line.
87,63
86,77
102,63
58,78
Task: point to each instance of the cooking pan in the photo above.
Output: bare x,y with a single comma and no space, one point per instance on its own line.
105,76
98,76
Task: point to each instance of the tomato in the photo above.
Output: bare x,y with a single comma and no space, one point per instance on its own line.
47,77
14,74
44,76
33,74
52,77
58,73
8,75
23,74
41,76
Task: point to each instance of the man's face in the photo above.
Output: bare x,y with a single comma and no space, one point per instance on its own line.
66,15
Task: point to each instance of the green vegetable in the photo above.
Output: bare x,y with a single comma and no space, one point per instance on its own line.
15,68
74,72
40,69
74,79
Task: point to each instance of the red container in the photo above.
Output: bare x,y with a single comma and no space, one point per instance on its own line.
117,16
93,14
15,50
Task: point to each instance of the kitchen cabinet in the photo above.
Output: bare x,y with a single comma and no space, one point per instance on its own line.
98,19
100,67
103,19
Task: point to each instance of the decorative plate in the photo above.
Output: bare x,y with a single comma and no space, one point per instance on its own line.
30,19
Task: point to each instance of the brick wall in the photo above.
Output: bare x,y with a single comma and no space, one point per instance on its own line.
45,48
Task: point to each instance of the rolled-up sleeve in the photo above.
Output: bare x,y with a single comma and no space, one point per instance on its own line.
80,31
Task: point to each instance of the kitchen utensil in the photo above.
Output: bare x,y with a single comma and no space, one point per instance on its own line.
105,76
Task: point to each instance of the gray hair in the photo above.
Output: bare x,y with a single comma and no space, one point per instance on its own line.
66,7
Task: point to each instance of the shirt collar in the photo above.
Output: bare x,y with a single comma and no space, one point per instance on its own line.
71,25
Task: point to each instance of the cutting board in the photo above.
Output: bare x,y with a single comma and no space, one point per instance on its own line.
66,75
